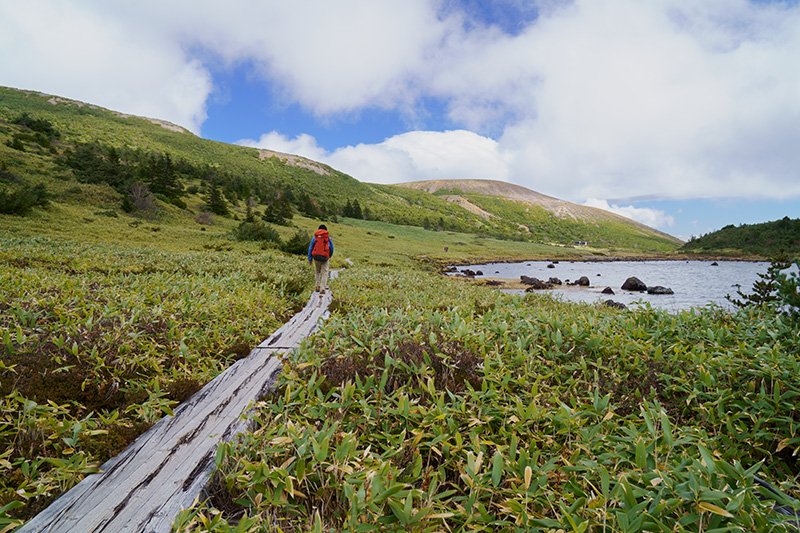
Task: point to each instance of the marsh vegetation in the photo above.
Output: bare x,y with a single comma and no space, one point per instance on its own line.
422,408
421,405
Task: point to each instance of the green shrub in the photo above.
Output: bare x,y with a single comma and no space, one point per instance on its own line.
177,202
40,125
256,231
16,144
162,198
297,244
23,199
6,176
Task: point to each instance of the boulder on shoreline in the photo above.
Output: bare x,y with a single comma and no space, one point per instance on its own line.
608,290
615,305
535,284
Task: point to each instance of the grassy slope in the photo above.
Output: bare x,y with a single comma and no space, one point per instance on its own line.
80,123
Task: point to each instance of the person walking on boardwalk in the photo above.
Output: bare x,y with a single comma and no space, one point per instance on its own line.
319,251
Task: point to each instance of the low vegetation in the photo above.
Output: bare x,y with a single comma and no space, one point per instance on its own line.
99,342
422,408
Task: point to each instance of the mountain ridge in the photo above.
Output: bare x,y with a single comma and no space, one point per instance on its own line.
513,192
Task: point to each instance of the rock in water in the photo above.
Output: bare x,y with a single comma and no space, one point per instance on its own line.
634,284
658,289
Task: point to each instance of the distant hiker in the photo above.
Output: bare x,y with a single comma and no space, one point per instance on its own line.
319,251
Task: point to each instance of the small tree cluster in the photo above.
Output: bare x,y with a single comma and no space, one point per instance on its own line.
160,174
297,244
352,210
278,210
309,207
40,125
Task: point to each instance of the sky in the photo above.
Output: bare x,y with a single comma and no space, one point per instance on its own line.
681,114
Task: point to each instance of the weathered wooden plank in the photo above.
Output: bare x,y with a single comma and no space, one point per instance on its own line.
165,469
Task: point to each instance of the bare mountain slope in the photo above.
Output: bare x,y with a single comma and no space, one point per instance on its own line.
561,209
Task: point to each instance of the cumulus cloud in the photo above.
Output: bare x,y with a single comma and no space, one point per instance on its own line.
80,51
304,145
601,99
593,99
419,155
661,98
654,218
330,57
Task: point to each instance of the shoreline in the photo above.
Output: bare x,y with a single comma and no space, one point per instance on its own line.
606,259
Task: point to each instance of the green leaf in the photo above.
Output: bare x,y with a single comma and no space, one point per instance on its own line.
497,468
708,459
641,454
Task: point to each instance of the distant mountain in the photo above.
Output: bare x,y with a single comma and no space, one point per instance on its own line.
765,240
585,223
74,153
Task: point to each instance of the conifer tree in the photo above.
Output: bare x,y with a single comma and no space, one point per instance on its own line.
765,289
215,201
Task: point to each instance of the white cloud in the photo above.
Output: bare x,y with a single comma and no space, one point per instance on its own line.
634,100
594,99
419,155
80,51
331,57
654,218
304,145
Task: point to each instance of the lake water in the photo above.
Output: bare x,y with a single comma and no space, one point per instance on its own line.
695,283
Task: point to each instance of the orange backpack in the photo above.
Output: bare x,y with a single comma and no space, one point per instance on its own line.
321,250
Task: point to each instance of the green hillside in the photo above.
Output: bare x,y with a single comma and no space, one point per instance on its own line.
765,240
67,153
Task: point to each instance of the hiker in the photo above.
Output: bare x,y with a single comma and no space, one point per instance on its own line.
319,251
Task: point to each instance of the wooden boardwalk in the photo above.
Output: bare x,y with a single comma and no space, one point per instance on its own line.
165,469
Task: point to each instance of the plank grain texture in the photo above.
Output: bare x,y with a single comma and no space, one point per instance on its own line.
164,471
